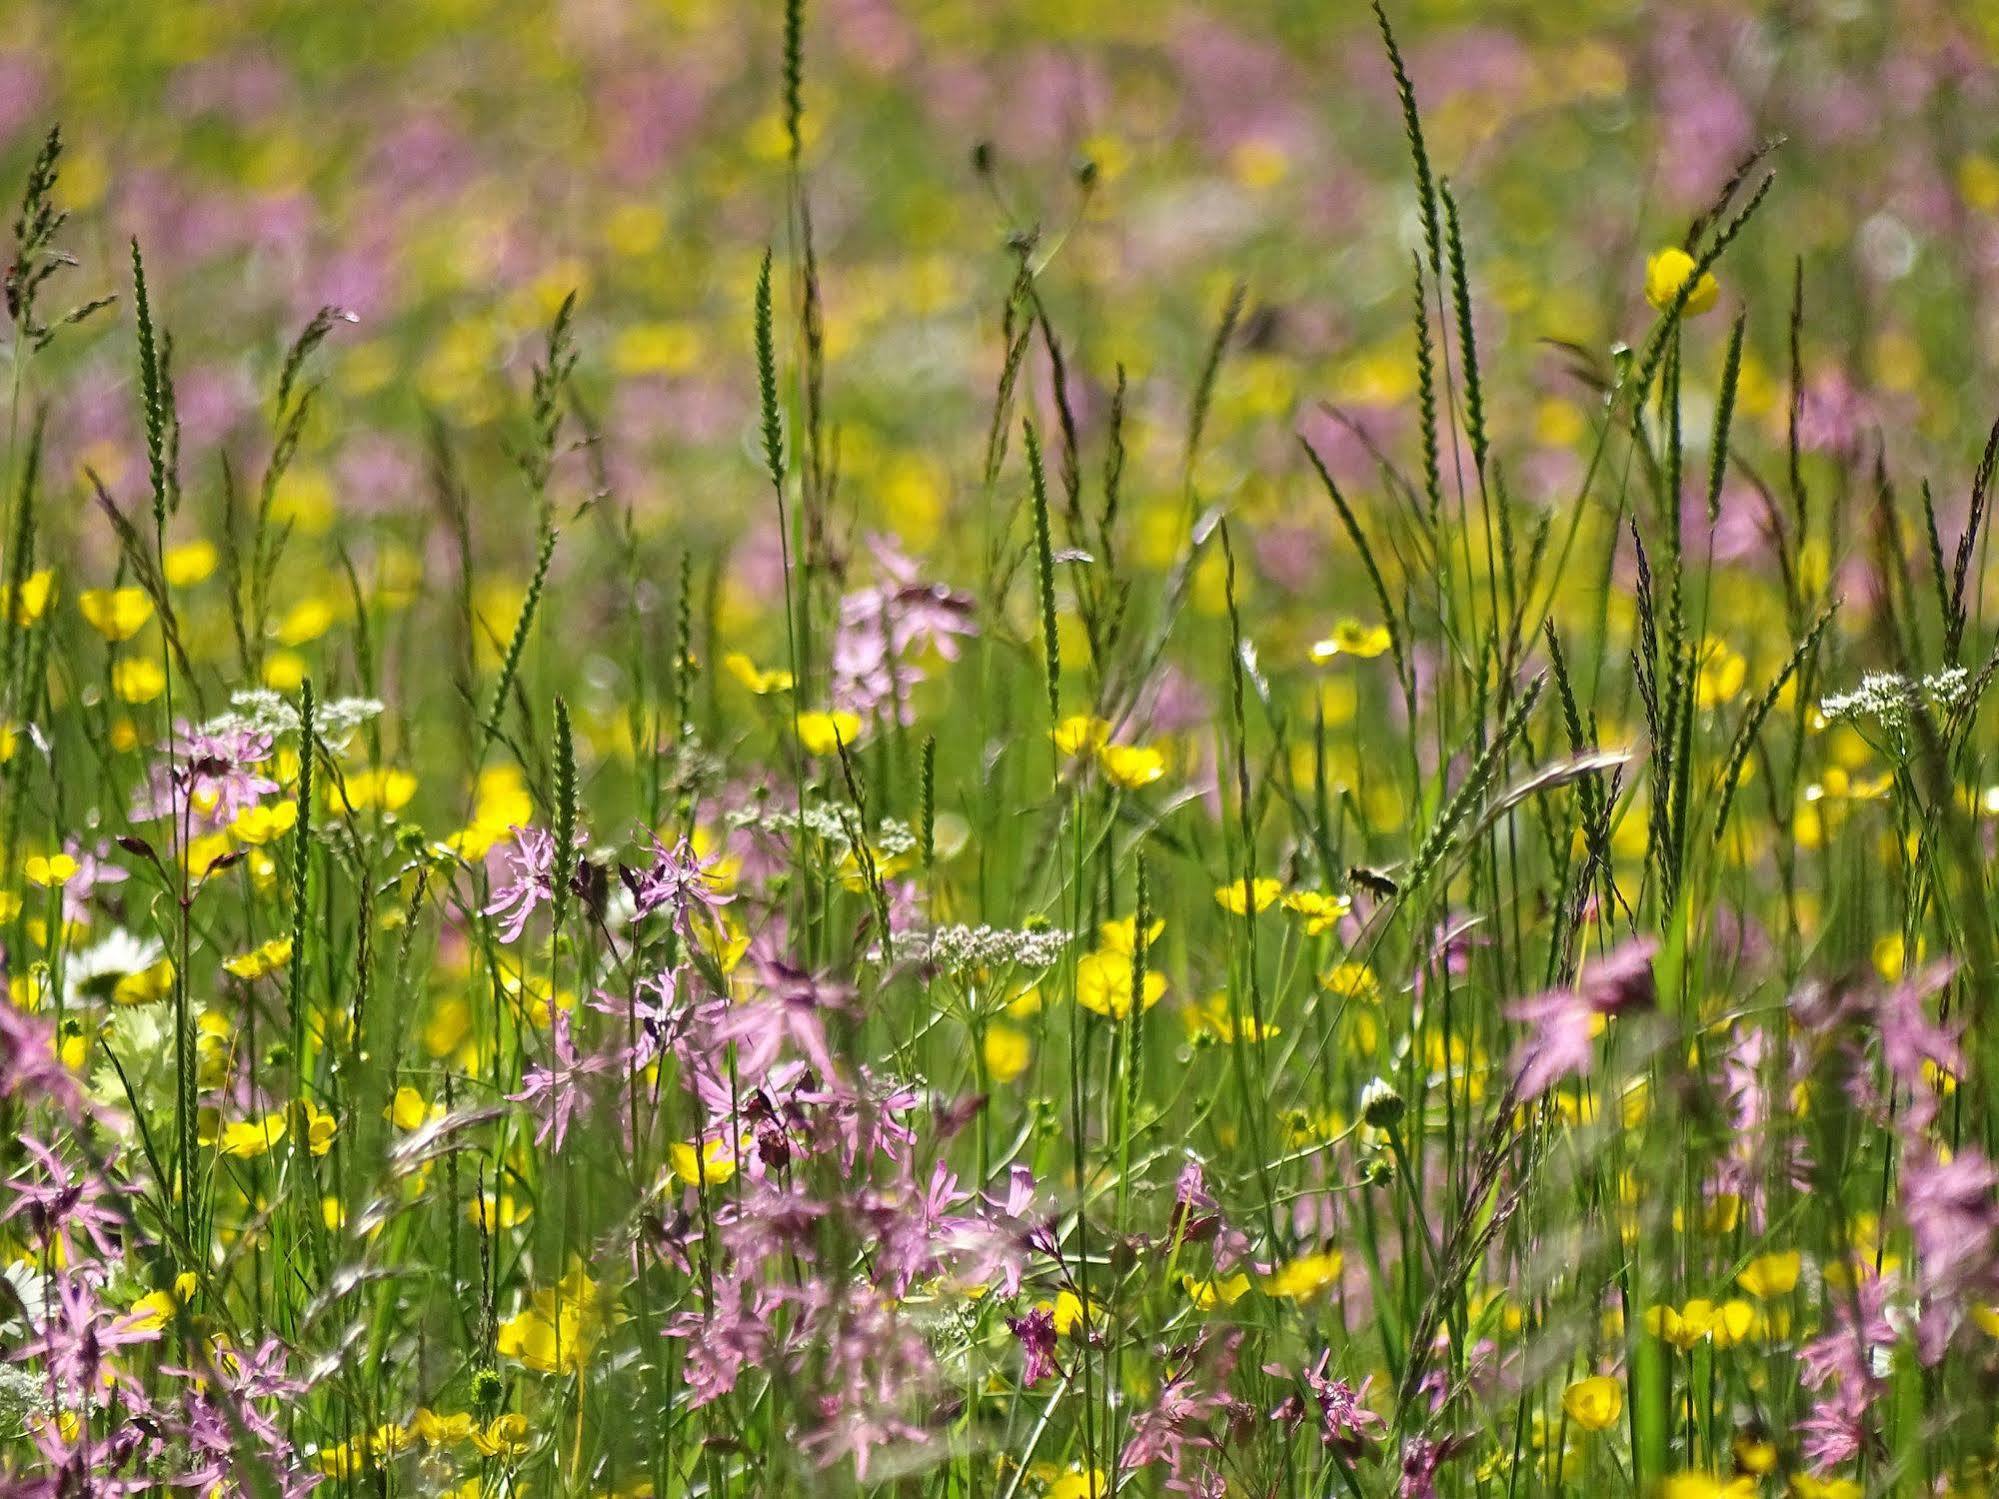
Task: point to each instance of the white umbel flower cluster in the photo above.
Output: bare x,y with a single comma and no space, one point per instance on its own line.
963,949
829,823
267,712
1891,698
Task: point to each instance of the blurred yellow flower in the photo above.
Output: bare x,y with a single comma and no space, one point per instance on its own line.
714,1163
247,1138
754,677
1007,1052
33,601
261,824
1352,638
188,564
149,985
1225,1290
1130,766
1771,1275
1305,1277
1080,735
824,733
1667,271
115,613
556,1331
1261,895
1595,1403
50,869
1122,935
138,679
260,960
1103,984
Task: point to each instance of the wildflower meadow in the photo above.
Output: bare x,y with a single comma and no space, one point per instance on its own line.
1008,750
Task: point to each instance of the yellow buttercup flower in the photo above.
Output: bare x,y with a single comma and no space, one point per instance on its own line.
1131,766
1350,980
1306,1276
188,564
33,600
320,1126
754,677
1080,735
1067,1313
1771,1275
149,985
1667,271
1595,1403
408,1109
1322,912
505,1436
248,1138
138,679
260,960
1693,1485
390,790
1007,1052
441,1430
115,613
1224,1290
1080,1485
1352,638
1122,935
1103,984
1261,895
824,733
556,1331
305,621
1682,1326
261,824
1737,1321
714,1163
50,869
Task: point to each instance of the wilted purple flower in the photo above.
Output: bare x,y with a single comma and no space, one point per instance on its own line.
1345,1421
1035,1333
1421,1458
